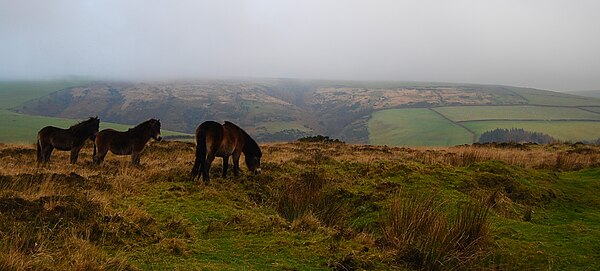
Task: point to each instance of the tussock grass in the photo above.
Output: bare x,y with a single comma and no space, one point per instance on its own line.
311,196
425,237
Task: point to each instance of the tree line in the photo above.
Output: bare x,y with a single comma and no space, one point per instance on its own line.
515,135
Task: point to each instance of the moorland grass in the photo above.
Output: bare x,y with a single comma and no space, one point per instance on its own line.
117,216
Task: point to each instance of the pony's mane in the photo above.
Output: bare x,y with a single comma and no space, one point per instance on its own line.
143,124
250,143
81,123
80,127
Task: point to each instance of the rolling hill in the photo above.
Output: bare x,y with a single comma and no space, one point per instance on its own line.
23,128
388,113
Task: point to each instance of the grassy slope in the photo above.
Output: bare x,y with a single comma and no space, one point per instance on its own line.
565,233
414,127
232,224
593,109
524,112
562,130
539,97
14,93
22,128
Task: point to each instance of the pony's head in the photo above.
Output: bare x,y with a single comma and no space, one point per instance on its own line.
252,156
155,129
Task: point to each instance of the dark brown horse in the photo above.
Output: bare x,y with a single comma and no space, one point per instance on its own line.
131,142
214,139
72,139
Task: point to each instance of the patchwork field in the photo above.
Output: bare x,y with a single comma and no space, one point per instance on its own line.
415,127
520,112
537,97
281,110
315,207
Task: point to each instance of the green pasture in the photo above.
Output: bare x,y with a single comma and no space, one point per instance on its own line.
540,97
515,112
13,93
562,130
19,128
593,109
414,127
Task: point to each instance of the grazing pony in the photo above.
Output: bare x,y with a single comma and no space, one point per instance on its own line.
131,142
71,139
214,139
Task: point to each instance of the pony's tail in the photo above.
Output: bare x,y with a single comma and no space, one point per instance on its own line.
94,154
200,154
38,150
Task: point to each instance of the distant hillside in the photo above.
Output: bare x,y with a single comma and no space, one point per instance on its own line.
587,93
287,109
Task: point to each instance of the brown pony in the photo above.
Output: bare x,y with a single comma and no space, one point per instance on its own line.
131,142
71,139
214,139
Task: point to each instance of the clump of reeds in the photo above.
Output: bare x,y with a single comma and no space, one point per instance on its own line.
426,237
311,193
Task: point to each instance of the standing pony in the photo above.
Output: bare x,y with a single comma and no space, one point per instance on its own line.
214,139
131,142
71,139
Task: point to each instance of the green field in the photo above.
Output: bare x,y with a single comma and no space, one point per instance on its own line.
593,109
516,112
562,130
539,97
414,127
14,93
20,128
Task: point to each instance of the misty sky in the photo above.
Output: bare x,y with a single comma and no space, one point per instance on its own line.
536,43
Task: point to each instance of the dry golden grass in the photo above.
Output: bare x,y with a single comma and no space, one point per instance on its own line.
557,156
60,213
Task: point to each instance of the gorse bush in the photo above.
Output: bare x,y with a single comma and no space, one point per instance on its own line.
425,237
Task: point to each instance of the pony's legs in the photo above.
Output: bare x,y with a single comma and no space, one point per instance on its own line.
135,157
225,166
38,150
236,164
206,168
75,153
99,157
47,151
